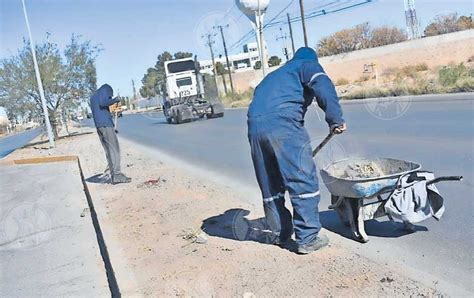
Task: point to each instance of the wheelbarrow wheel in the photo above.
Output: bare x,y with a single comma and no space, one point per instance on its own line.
341,210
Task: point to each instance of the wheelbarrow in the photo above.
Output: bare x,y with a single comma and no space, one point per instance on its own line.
357,199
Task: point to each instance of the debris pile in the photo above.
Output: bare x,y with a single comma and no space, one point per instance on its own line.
151,183
361,169
194,236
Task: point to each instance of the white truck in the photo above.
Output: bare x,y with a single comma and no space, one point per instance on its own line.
185,93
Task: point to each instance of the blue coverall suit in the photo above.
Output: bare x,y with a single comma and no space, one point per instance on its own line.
280,145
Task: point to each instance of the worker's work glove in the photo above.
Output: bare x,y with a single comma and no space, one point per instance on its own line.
339,129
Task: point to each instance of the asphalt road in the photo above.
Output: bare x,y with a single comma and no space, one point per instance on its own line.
11,143
438,135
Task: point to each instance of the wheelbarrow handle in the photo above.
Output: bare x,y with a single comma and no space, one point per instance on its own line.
324,142
444,178
436,180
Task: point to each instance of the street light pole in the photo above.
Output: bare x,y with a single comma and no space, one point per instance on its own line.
38,80
303,23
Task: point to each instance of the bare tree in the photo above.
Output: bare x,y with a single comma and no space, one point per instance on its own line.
387,35
448,23
359,37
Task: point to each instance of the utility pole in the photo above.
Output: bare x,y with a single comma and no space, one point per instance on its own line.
285,48
259,24
134,94
38,80
229,68
303,23
209,43
291,33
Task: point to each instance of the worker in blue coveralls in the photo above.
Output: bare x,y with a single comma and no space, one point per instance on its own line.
281,151
100,103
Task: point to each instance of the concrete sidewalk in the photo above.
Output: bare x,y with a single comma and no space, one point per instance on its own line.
48,245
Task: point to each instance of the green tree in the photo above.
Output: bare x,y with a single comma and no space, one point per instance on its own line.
257,65
68,79
153,82
150,83
181,55
220,69
274,61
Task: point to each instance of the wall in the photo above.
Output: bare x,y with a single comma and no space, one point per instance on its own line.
434,51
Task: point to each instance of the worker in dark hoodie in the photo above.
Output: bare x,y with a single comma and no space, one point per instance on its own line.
281,154
101,100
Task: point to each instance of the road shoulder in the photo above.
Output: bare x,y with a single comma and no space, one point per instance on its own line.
153,231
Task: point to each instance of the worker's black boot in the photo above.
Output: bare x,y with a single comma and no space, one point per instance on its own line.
319,242
120,178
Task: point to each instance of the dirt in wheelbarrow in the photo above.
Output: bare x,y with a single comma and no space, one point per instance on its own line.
361,169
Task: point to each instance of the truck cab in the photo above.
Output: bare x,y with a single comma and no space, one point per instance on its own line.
185,93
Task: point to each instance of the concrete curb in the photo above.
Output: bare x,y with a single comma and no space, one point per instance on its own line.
412,98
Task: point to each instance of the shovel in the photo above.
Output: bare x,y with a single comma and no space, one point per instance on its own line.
323,143
116,122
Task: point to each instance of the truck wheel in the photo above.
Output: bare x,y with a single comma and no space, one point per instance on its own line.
212,115
179,118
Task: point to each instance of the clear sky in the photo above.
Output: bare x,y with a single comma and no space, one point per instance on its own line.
133,32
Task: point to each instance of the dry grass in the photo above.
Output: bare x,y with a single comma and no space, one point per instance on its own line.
342,82
363,78
237,99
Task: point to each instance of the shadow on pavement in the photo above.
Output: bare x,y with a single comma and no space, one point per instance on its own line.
233,224
99,179
384,229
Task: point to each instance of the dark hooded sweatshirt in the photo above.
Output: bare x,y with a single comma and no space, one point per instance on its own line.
292,87
100,102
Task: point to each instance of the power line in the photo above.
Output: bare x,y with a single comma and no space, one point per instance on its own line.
251,32
309,15
225,15
281,11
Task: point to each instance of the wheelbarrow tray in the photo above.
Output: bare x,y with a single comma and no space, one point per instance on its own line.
360,199
340,185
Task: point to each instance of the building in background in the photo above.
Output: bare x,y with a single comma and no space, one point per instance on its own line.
239,62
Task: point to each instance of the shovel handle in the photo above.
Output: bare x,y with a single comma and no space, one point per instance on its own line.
324,142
